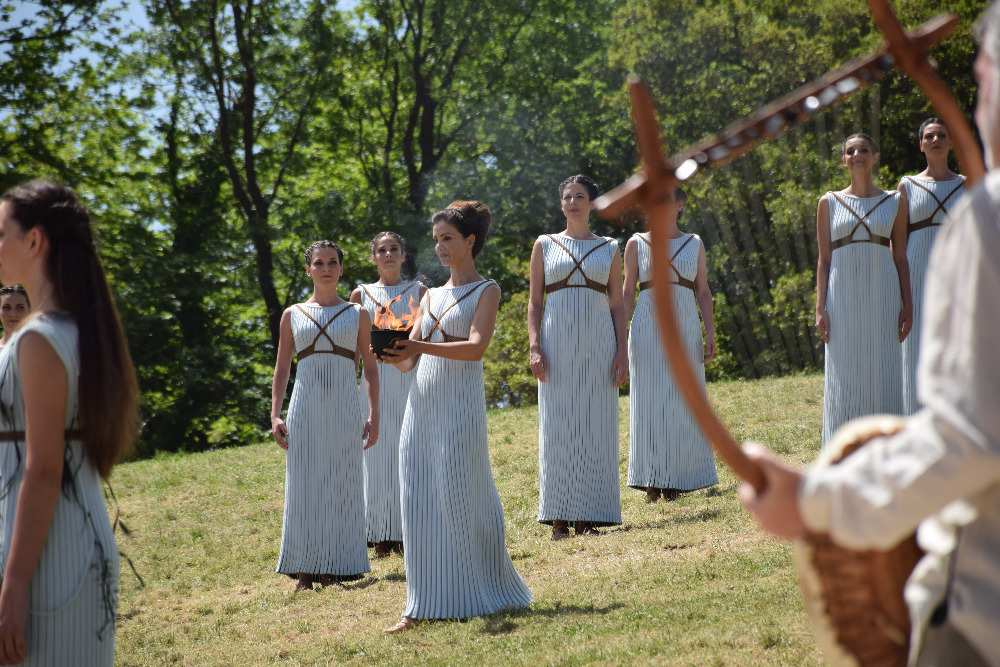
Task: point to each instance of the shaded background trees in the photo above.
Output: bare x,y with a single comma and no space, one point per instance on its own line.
215,139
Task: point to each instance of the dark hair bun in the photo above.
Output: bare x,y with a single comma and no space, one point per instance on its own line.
469,217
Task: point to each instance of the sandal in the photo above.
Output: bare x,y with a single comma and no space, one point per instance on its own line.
559,530
405,623
652,494
304,583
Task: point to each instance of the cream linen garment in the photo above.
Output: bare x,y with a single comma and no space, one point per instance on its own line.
942,472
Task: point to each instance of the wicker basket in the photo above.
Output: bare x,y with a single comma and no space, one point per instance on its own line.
855,598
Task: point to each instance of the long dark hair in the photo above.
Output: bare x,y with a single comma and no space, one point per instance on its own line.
108,392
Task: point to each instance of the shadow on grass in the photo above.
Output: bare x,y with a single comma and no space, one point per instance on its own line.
394,576
353,585
504,622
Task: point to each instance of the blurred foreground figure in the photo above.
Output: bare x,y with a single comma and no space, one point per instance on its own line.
942,471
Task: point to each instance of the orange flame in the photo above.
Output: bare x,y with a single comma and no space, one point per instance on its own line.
386,319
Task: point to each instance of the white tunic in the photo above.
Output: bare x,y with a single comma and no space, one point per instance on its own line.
666,447
457,564
324,519
930,202
863,367
578,402
382,461
74,591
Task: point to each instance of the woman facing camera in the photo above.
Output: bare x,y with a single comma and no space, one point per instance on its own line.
863,308
932,194
457,565
14,307
323,528
668,453
389,295
68,410
578,354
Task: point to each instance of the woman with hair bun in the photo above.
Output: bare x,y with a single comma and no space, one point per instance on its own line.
579,355
863,309
457,564
389,293
68,412
932,195
323,527
14,307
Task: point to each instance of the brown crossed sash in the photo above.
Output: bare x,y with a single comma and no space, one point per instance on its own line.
310,349
588,283
872,236
681,280
381,307
929,220
448,338
14,436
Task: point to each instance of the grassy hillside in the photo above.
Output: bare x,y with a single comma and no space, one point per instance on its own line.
685,583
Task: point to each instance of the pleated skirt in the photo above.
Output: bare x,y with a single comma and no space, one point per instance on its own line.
456,560
381,462
578,412
667,449
324,517
75,634
863,365
918,252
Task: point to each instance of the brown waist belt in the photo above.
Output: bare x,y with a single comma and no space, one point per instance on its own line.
875,238
683,282
923,224
339,351
448,338
564,284
12,436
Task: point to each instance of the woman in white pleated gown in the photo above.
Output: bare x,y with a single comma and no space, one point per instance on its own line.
323,527
668,453
67,365
578,354
457,564
863,307
931,196
381,464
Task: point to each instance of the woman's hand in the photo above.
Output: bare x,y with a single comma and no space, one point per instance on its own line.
538,366
777,507
905,321
13,621
619,368
709,347
280,432
823,325
400,351
369,434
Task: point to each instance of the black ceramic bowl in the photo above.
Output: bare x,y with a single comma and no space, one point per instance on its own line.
383,338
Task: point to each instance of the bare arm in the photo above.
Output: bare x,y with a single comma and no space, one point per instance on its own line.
619,365
823,268
703,293
45,388
370,433
355,296
279,381
899,229
631,277
536,309
406,363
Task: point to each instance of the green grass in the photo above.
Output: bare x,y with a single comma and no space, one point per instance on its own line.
686,583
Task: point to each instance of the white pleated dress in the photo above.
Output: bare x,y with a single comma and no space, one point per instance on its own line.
930,202
74,591
381,462
457,564
323,532
667,449
578,402
863,368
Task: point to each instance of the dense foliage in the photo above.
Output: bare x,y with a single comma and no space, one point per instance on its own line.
215,139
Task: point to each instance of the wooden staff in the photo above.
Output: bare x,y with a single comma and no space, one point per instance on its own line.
653,188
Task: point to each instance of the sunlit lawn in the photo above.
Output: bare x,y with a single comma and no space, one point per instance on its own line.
685,583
